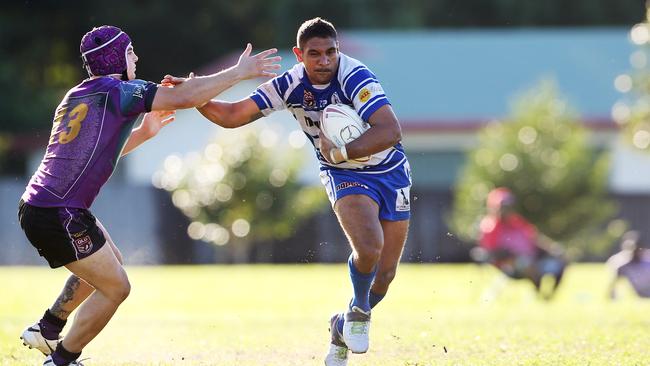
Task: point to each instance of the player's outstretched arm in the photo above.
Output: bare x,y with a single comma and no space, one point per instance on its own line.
151,125
231,115
198,90
224,114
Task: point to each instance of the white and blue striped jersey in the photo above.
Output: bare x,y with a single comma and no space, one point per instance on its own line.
355,85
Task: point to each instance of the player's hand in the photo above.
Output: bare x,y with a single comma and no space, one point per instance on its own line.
154,121
170,80
259,65
325,145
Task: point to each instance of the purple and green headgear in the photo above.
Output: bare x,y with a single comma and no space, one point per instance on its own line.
103,51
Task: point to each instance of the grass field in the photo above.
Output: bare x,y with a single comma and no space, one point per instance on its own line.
277,315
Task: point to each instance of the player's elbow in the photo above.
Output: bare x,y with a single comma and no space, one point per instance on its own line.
395,136
221,114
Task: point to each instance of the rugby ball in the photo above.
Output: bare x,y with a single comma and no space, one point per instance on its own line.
341,124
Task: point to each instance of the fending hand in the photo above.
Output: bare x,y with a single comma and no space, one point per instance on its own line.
259,65
154,121
170,80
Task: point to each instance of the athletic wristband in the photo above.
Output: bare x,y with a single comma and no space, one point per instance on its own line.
344,153
332,157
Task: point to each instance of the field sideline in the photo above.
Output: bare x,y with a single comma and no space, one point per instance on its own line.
277,315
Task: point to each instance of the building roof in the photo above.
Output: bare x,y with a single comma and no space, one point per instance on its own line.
463,77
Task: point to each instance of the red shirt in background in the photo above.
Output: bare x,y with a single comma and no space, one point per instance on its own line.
511,233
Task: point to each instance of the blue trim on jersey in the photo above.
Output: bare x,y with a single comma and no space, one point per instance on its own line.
372,105
345,79
261,104
276,86
388,157
289,77
359,76
311,138
282,84
265,98
363,83
295,98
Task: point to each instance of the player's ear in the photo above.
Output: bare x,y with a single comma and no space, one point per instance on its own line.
298,53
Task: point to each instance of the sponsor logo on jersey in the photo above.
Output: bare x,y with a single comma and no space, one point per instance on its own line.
402,202
308,100
364,95
345,185
83,245
138,92
335,98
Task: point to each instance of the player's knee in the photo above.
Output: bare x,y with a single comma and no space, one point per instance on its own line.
370,251
120,288
122,291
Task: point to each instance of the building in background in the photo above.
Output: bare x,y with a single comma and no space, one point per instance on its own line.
444,86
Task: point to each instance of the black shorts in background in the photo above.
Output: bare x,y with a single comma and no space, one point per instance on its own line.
61,235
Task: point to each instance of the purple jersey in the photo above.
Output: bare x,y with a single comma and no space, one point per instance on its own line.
91,126
638,273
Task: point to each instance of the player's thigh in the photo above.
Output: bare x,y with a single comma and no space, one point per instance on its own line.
101,270
358,215
110,242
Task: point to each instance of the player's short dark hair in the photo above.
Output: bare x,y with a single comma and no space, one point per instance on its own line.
316,27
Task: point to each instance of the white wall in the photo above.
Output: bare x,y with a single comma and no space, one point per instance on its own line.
630,169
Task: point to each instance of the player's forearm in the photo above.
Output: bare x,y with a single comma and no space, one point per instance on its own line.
199,90
224,114
137,138
376,139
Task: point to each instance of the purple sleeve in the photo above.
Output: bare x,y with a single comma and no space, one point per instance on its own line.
136,96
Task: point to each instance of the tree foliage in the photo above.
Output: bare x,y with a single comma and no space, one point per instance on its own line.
542,154
39,40
241,189
633,111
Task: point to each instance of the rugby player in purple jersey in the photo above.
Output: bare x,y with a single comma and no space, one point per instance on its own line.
92,128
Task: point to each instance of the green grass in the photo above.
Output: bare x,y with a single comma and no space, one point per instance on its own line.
277,315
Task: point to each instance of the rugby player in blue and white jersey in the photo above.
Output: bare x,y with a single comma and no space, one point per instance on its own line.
370,197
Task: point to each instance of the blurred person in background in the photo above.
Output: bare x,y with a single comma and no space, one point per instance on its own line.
631,263
514,246
369,196
92,128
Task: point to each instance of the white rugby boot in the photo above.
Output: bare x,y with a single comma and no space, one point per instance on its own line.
356,329
338,351
33,338
49,362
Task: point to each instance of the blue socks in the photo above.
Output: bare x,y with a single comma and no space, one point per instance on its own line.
361,283
374,300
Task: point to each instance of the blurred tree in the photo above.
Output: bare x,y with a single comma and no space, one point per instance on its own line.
633,111
541,153
241,190
39,39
